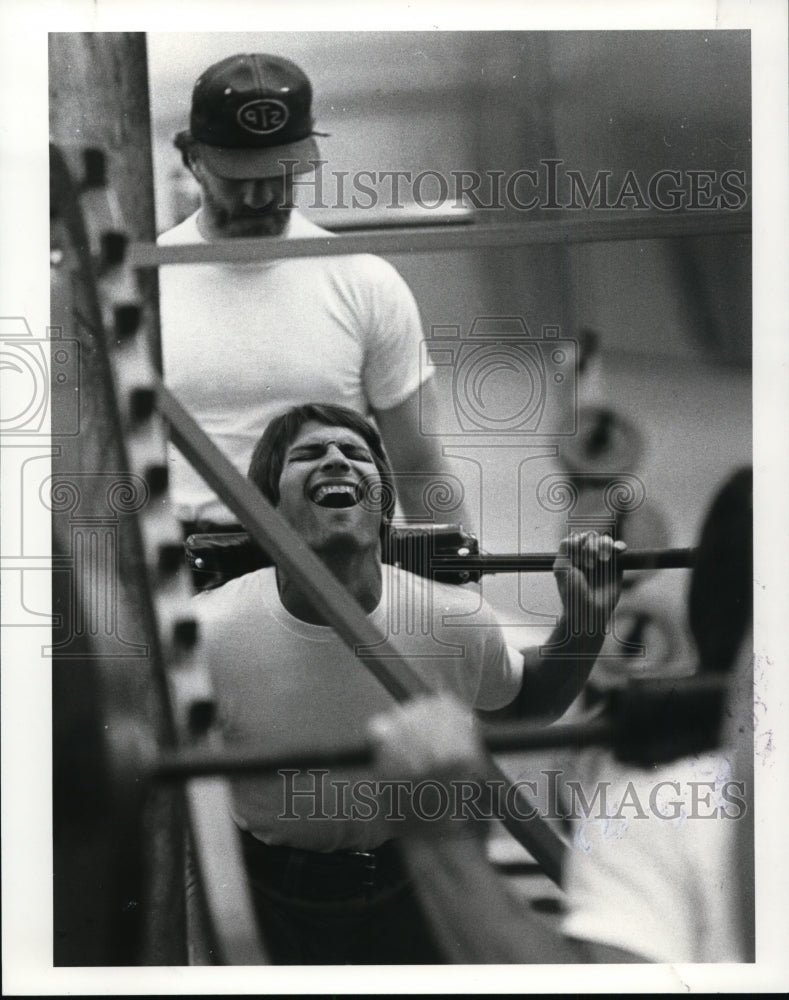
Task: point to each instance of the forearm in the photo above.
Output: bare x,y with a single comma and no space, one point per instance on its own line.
589,584
555,673
553,676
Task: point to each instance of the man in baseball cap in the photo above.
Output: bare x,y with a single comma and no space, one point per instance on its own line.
250,130
241,343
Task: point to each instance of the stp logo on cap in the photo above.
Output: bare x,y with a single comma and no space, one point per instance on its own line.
263,116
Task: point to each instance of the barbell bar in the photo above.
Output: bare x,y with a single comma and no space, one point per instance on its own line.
543,562
457,552
642,721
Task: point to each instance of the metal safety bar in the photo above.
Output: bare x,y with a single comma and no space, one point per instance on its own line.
538,233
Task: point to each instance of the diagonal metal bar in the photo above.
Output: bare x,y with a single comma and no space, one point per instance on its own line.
536,233
275,535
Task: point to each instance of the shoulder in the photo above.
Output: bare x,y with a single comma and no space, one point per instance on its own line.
462,599
444,599
300,227
365,267
230,602
375,269
378,288
184,232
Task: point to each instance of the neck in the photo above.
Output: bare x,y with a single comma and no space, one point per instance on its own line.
359,571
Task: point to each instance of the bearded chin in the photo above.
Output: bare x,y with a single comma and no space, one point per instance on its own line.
272,222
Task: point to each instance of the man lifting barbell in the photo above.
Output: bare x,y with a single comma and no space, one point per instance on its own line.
327,880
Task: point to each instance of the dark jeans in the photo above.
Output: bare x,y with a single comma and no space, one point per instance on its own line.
313,909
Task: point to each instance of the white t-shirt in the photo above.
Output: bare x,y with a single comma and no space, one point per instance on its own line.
285,685
243,342
654,871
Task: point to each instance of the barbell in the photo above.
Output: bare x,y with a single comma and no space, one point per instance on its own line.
643,722
445,552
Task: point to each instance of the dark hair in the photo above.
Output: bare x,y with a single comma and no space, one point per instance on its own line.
720,602
268,457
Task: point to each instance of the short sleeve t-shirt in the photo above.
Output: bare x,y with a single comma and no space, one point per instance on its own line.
243,342
285,685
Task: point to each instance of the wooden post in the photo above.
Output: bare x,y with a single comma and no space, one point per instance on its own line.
118,893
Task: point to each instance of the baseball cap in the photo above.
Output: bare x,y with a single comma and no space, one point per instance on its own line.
251,111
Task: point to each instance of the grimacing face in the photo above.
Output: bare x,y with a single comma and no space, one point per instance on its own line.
320,484
243,208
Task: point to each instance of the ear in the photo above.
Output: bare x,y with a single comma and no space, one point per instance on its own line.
196,164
